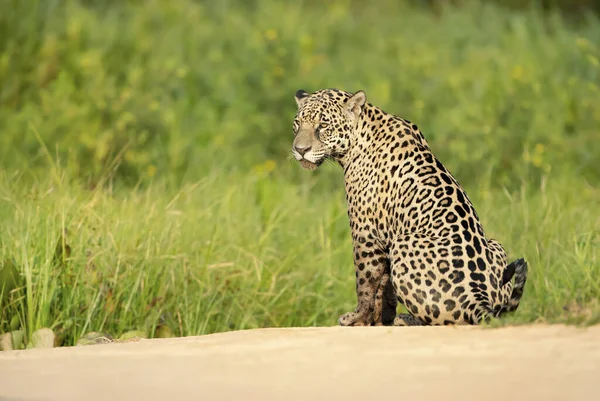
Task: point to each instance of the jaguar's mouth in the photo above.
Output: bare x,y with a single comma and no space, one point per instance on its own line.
308,165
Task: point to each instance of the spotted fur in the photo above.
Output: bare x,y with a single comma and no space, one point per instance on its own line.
416,236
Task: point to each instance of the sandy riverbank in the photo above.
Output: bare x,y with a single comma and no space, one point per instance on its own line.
331,363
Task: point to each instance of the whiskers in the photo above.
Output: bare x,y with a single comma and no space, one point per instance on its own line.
314,159
330,162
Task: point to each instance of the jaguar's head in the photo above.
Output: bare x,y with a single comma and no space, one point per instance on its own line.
325,124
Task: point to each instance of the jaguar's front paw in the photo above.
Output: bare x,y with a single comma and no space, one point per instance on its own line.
353,319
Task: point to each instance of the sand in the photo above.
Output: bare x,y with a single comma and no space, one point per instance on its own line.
329,363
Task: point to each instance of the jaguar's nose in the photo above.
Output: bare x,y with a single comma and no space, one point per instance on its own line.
302,149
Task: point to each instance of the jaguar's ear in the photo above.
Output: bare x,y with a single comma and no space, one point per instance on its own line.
300,95
355,104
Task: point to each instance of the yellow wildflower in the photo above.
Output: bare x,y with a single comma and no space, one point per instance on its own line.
271,34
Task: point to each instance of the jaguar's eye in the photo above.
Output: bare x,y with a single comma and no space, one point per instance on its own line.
323,125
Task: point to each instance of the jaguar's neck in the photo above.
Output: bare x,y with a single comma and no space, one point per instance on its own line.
373,135
367,134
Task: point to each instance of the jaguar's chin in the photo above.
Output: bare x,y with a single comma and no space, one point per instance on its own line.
308,165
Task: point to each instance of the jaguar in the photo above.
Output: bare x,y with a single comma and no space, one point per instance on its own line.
417,239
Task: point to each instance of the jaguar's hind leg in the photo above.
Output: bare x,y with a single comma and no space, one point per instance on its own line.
406,319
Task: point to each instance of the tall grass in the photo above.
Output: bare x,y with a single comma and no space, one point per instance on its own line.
213,256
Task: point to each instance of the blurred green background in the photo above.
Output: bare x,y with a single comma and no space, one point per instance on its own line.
173,88
157,133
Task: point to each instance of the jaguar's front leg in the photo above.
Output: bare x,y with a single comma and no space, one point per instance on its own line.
369,263
386,301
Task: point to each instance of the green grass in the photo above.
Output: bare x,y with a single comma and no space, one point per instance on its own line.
245,251
146,177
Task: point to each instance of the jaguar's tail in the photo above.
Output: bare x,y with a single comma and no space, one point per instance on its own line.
518,269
